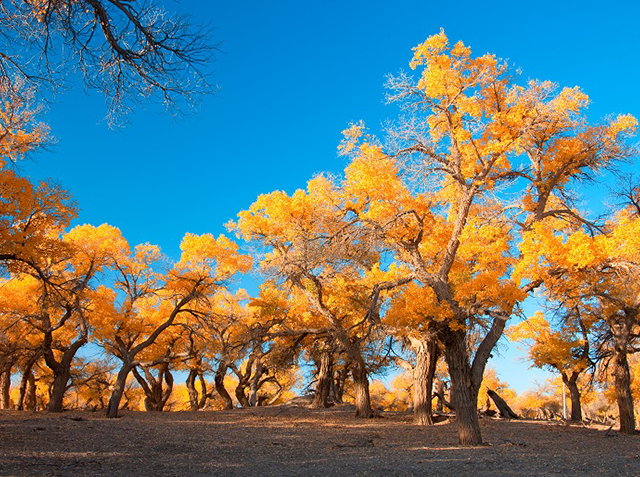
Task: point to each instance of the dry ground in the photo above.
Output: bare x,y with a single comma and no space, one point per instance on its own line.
286,441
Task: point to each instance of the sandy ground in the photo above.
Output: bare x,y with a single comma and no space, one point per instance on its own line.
287,441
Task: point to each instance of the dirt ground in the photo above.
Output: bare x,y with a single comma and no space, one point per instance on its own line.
287,441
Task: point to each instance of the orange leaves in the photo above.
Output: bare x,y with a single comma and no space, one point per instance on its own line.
218,258
546,347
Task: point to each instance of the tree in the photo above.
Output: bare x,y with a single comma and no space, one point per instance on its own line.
601,271
565,351
469,130
153,301
127,50
313,243
409,318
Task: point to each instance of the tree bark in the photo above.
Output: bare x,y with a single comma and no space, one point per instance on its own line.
61,369
5,388
324,380
426,350
440,389
576,407
221,373
621,333
118,391
464,395
194,400
361,386
241,396
156,393
254,382
337,384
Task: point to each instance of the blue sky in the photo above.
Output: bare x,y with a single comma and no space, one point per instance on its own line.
292,75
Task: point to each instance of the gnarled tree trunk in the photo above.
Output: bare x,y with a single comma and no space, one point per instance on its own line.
221,373
426,350
572,384
621,330
464,395
361,387
5,387
118,391
323,380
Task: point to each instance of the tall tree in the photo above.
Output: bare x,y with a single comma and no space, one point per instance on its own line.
469,129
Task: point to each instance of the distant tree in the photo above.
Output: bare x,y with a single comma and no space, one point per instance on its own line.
565,351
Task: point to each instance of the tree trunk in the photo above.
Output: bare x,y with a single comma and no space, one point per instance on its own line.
61,370
30,397
5,388
59,389
254,383
464,395
426,351
324,380
118,391
621,332
241,396
440,389
361,386
576,408
194,398
156,393
505,411
337,385
221,373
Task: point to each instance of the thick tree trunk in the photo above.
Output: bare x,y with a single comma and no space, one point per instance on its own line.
622,377
61,370
221,373
576,407
361,387
30,395
464,395
241,396
5,388
118,391
59,389
324,380
426,351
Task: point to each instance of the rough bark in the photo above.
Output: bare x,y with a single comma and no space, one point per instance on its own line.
118,391
255,381
194,397
61,369
440,389
323,380
464,394
622,377
221,372
337,384
361,387
5,388
426,350
241,395
576,407
157,390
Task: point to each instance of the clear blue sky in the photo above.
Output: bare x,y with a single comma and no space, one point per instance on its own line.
292,75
